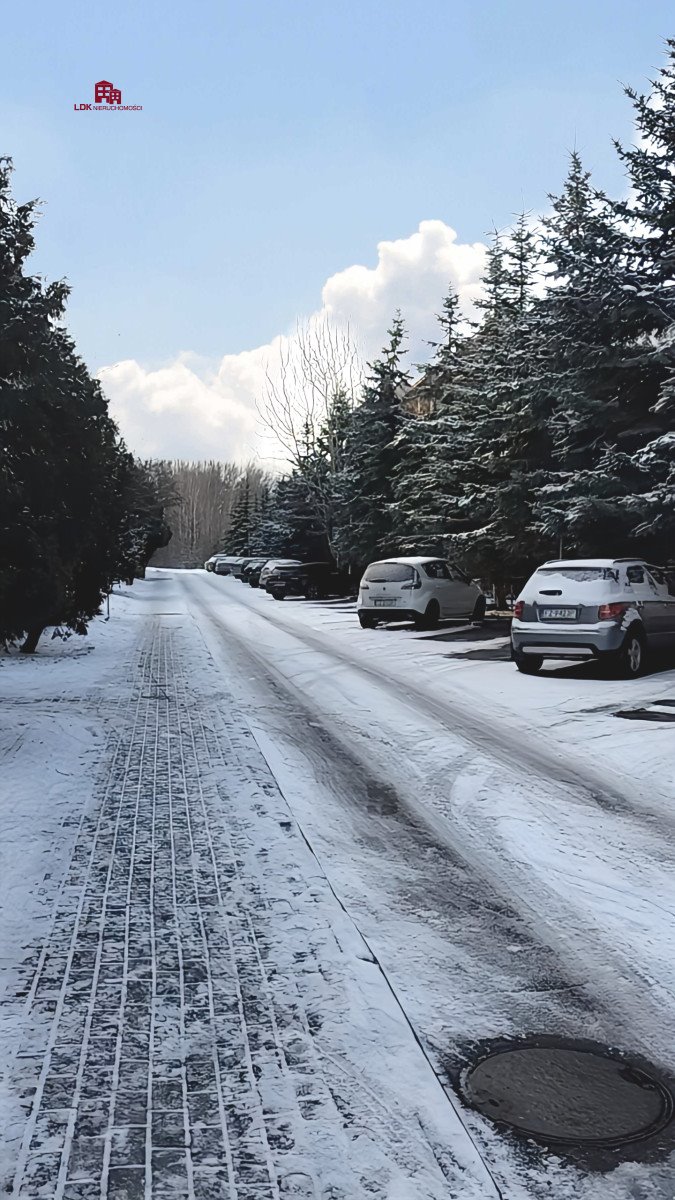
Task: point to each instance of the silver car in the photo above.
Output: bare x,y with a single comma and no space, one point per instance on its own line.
225,564
613,609
212,562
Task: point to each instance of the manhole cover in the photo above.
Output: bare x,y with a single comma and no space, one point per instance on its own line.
561,1094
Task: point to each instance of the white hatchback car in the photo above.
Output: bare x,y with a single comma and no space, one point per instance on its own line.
423,590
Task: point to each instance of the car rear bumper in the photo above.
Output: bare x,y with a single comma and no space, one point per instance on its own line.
388,614
580,643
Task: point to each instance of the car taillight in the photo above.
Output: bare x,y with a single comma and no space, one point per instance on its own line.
365,587
609,612
519,609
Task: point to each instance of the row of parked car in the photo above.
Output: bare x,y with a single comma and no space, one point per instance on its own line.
614,610
282,577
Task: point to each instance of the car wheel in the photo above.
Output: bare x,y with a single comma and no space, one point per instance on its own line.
429,618
366,621
528,664
312,592
478,614
629,661
278,595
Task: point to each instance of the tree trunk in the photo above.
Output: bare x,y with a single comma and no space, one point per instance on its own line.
500,596
32,638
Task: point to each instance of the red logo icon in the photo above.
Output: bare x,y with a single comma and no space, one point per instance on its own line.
105,93
107,98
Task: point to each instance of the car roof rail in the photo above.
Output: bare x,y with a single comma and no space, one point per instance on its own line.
633,558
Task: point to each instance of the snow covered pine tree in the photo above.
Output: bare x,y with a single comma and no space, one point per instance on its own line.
364,527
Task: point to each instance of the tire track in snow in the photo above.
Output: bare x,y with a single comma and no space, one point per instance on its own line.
626,1002
485,735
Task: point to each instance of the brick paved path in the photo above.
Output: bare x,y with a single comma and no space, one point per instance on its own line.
170,1039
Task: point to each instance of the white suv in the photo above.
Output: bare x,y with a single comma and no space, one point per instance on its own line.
423,590
612,609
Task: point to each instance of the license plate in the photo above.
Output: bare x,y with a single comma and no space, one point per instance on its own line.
558,614
384,603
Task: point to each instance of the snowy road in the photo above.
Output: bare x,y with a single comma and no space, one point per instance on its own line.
199,1001
507,858
186,1009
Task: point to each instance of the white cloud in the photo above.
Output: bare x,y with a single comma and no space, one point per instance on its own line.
184,410
189,409
412,274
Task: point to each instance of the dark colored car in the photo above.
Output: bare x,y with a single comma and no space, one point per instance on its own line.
252,576
249,565
238,567
314,581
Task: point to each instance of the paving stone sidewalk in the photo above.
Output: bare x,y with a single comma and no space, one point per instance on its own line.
172,1019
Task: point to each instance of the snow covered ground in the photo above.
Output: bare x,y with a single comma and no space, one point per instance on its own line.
486,854
187,1009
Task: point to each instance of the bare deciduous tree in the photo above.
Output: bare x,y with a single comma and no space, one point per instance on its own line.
308,396
319,362
201,516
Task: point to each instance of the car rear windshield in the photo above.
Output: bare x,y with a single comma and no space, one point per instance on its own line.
581,574
388,572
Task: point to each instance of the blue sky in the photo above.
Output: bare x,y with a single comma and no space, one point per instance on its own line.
279,143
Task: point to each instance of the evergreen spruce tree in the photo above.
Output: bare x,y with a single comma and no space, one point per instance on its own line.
325,469
319,467
647,304
290,527
63,514
599,376
239,536
146,490
260,516
425,483
269,535
28,310
364,528
497,448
